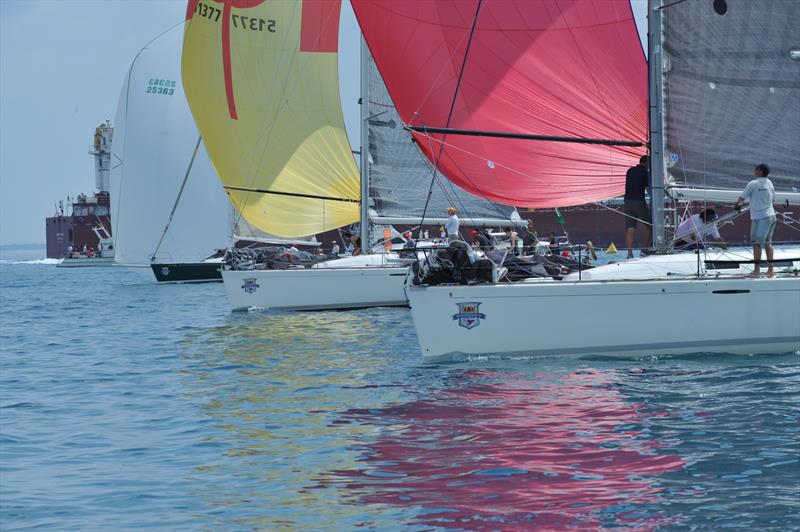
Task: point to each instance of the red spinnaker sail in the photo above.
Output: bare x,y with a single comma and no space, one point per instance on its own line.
566,68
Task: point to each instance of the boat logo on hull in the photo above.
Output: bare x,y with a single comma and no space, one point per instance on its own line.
468,315
165,271
250,285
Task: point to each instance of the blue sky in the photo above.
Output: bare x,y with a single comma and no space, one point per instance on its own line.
62,64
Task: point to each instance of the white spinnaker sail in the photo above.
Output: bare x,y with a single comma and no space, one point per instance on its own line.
154,139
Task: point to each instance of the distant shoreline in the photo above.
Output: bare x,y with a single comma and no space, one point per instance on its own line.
14,247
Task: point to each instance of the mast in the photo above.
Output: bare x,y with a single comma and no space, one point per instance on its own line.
365,239
655,65
101,149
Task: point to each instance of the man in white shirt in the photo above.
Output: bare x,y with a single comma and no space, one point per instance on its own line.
699,229
761,194
451,226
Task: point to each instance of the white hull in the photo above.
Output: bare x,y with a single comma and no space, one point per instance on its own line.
86,262
709,262
608,318
317,288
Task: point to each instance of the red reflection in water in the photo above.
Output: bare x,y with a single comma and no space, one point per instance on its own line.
511,454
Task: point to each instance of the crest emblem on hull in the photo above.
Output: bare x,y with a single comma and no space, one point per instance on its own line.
250,285
468,315
165,271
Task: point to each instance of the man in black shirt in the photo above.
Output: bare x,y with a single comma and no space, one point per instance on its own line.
636,181
484,242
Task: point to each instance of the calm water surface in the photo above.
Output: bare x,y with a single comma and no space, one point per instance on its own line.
125,406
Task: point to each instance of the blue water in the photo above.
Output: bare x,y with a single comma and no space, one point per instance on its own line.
125,406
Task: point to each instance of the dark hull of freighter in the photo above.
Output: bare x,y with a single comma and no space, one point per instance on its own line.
78,230
63,232
188,272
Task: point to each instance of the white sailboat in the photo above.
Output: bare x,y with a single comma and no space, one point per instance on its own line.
662,304
290,180
167,204
170,212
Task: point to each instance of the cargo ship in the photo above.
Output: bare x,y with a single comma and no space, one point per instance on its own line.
79,232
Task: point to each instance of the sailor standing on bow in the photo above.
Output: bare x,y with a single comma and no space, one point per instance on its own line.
761,194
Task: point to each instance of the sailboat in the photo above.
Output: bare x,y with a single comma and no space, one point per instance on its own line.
168,206
269,109
570,66
170,213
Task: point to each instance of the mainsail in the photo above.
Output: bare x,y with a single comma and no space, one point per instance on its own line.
732,93
154,140
490,66
262,82
400,177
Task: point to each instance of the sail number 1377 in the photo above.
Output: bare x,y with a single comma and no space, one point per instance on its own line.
239,21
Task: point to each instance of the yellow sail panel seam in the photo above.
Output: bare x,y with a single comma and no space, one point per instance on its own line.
293,194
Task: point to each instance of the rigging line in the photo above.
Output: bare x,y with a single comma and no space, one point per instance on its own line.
509,168
434,82
585,63
463,174
441,186
494,205
664,6
376,115
783,219
426,161
269,125
624,214
523,136
452,106
177,199
455,194
292,194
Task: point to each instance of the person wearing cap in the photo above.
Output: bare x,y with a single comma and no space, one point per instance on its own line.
699,229
760,192
451,226
334,248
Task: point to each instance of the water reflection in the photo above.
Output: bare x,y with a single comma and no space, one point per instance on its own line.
498,449
271,386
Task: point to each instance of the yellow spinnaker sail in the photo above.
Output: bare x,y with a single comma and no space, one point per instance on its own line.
261,77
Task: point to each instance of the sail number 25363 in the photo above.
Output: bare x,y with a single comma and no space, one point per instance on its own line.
239,21
161,86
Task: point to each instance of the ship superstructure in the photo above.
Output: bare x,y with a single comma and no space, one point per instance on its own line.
81,226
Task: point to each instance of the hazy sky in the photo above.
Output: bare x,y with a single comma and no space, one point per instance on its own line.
62,64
